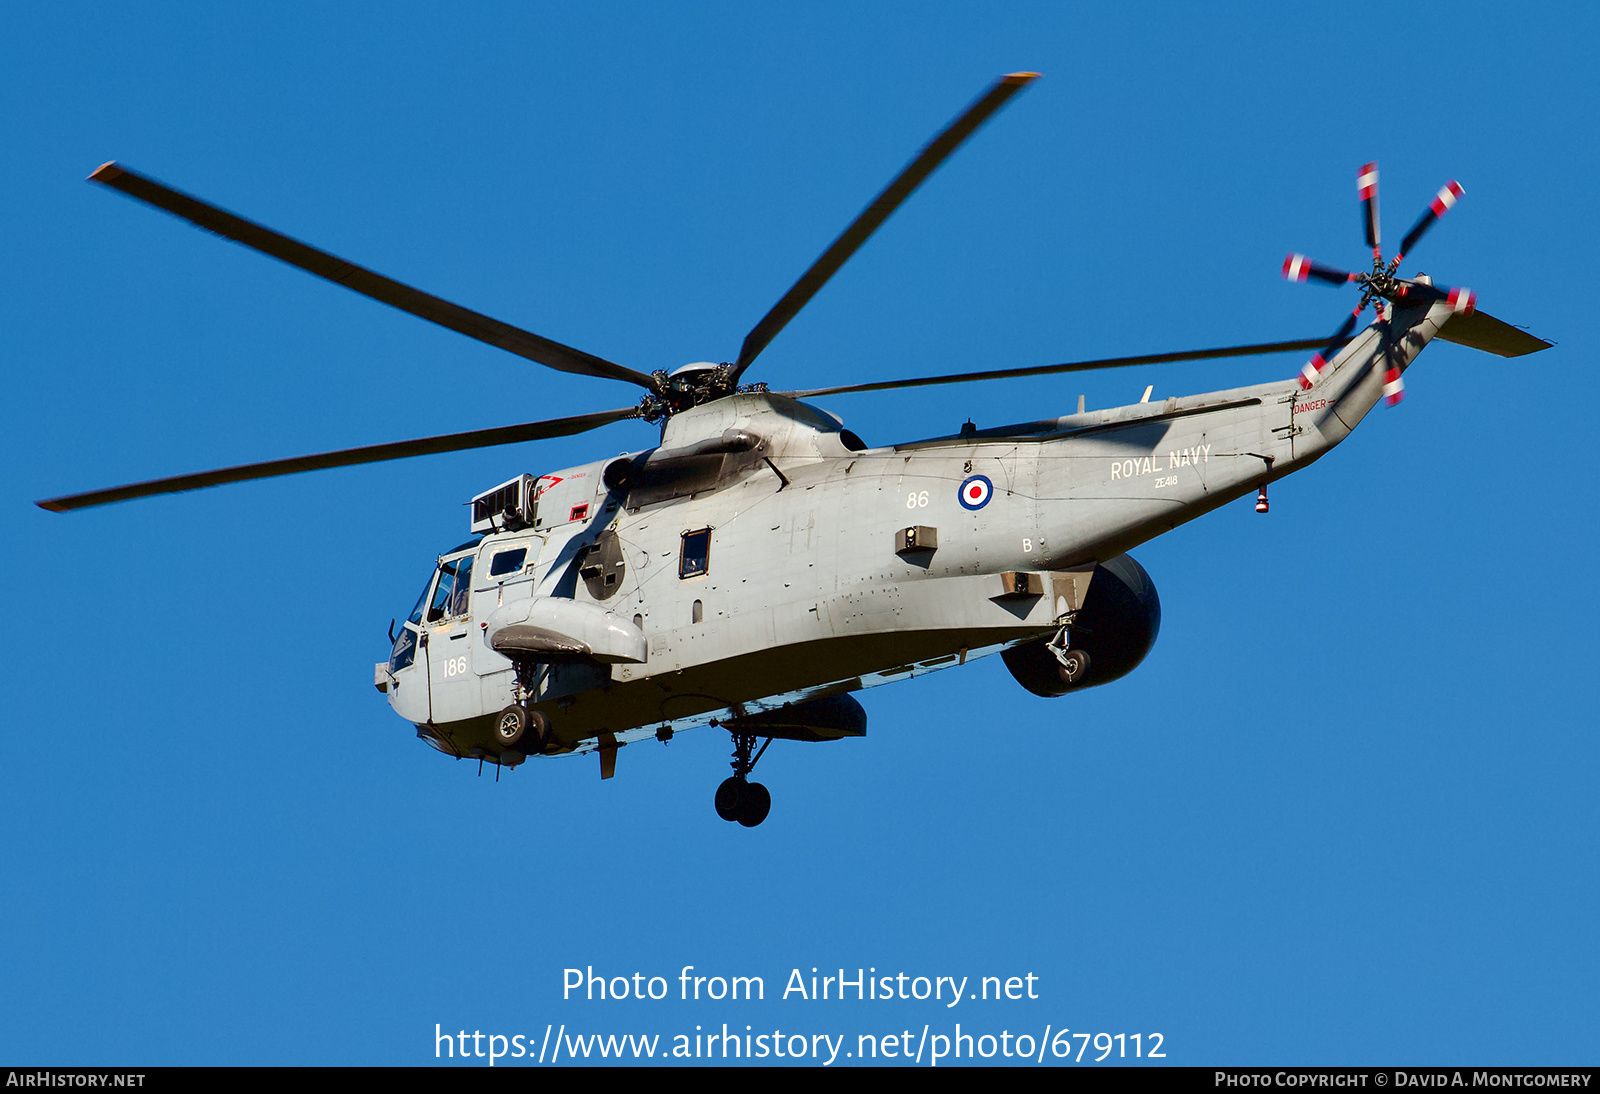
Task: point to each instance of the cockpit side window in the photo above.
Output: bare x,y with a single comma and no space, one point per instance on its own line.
458,599
450,594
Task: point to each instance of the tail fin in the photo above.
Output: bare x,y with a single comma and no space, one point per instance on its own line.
1481,331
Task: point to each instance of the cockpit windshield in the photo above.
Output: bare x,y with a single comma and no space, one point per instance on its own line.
405,644
416,613
445,596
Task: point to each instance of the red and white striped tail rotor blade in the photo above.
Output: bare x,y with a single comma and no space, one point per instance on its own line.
1297,267
1461,301
1367,191
1394,386
1312,370
1448,195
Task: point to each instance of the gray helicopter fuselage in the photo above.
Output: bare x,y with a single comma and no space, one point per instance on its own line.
762,556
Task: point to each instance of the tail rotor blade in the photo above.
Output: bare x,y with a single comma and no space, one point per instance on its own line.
1462,301
1312,369
1394,386
1448,195
1367,191
1298,267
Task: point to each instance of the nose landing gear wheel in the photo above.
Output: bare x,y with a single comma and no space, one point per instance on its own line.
1074,664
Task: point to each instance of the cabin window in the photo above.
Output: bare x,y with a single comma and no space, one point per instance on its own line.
507,562
699,612
695,558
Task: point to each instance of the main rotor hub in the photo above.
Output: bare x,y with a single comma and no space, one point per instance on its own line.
687,386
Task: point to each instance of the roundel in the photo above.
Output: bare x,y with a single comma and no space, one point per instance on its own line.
975,492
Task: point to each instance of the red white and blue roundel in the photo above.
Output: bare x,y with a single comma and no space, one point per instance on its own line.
975,492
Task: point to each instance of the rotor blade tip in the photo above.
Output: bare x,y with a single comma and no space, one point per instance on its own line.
106,172
1020,77
53,506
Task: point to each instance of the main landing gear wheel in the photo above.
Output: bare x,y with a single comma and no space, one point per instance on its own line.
743,801
754,804
516,723
739,799
728,795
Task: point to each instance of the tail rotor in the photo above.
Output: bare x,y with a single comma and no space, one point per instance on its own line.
1380,286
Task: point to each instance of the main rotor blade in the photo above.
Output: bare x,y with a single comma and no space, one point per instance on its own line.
423,305
1074,366
395,450
936,152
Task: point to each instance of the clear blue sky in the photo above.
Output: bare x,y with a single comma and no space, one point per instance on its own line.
1344,813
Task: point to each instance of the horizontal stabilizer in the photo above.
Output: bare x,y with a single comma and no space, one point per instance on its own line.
1485,332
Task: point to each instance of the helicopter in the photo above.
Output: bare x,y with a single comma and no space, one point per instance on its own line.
761,563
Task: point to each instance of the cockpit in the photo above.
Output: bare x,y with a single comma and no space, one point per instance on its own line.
444,597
